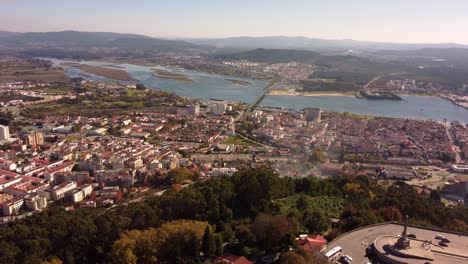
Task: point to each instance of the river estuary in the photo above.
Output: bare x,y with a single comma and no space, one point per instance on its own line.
206,86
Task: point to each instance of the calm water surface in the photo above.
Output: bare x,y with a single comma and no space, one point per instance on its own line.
416,107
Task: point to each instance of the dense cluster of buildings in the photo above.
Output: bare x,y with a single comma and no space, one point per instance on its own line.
87,161
288,130
292,71
457,95
379,147
393,141
460,136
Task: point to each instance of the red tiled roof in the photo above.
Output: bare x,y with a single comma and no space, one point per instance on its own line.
312,243
9,173
232,259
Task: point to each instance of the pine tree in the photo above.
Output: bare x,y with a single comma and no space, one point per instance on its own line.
219,245
208,242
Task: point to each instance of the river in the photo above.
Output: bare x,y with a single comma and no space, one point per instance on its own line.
206,86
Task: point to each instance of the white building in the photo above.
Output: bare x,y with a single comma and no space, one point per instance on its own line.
35,202
4,133
127,122
189,110
313,114
59,191
13,206
460,168
217,108
80,193
63,129
217,172
98,132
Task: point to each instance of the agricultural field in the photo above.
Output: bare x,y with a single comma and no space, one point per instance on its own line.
14,70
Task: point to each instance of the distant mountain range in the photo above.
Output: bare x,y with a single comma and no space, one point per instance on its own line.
94,44
452,54
77,39
271,55
316,44
85,40
4,34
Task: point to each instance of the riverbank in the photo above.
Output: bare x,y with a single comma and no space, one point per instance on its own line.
119,75
114,66
454,100
137,62
165,74
293,92
69,64
239,82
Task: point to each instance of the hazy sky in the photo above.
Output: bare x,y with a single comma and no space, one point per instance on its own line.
379,20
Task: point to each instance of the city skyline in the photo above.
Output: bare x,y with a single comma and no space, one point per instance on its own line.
386,21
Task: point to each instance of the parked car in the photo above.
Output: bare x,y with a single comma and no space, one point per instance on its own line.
346,259
443,244
438,236
445,240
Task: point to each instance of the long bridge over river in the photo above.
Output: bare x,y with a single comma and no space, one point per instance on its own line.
259,99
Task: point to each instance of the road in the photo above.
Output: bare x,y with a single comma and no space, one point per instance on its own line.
256,142
450,135
144,196
378,77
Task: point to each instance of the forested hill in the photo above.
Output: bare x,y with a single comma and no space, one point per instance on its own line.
251,212
305,43
82,40
272,55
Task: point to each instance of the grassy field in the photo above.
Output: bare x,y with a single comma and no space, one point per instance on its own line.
331,206
235,140
106,72
39,74
352,115
133,93
86,109
72,137
103,104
